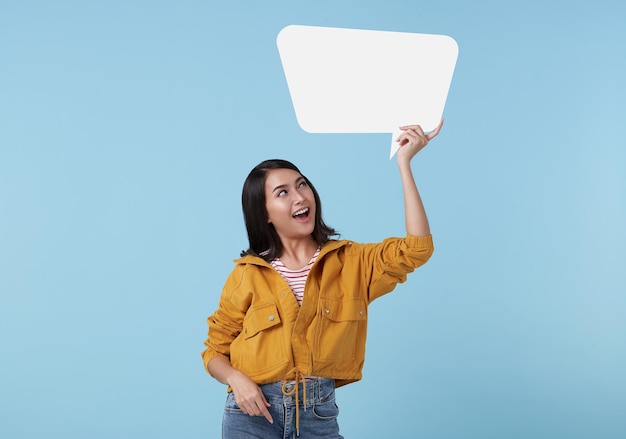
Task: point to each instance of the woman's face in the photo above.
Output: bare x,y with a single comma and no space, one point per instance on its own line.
290,204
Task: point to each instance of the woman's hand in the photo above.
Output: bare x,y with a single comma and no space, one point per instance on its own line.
413,139
248,396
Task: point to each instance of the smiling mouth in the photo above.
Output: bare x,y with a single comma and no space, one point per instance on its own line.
301,214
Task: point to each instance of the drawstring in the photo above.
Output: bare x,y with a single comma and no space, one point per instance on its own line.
298,377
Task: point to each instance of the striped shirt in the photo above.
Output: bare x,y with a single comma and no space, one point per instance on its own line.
295,278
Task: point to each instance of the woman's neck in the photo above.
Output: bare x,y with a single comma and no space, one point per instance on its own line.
297,253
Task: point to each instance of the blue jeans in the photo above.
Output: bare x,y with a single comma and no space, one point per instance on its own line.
318,421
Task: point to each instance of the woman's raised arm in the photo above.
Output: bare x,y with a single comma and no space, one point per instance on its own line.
411,141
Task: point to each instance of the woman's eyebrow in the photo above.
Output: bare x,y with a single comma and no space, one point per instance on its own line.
280,186
284,185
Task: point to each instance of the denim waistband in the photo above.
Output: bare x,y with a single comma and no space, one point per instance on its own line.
317,391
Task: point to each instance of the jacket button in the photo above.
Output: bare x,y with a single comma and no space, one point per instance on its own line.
271,318
361,312
326,310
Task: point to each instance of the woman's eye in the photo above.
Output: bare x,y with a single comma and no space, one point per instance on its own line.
302,184
281,193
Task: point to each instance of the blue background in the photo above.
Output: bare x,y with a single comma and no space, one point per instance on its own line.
127,128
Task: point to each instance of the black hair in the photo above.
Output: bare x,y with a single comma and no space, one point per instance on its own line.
262,237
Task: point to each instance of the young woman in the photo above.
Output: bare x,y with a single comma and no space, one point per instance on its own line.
291,322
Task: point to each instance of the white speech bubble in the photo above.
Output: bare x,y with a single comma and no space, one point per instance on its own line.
366,81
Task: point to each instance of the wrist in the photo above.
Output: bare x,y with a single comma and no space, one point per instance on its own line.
231,377
404,164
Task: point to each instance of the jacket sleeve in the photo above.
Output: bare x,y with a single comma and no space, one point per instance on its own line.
389,262
227,321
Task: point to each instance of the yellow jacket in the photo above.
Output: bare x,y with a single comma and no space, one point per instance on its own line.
261,328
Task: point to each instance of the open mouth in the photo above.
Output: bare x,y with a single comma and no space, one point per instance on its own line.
301,214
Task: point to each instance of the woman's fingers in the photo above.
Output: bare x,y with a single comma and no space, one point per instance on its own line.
258,407
418,129
413,135
263,405
413,139
250,398
434,132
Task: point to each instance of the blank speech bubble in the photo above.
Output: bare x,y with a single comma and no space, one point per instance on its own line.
366,81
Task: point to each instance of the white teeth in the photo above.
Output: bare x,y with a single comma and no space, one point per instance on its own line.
301,211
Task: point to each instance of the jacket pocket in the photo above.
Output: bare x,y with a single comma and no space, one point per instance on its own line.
341,329
260,346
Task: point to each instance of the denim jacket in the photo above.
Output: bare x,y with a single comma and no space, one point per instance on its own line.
261,328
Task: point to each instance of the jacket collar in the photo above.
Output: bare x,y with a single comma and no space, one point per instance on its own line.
327,248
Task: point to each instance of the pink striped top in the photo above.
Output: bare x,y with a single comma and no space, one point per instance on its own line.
295,278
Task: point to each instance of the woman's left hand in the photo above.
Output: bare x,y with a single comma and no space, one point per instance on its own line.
413,139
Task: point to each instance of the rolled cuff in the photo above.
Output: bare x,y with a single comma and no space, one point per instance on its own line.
419,242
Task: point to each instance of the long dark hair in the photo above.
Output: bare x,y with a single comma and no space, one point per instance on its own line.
262,237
